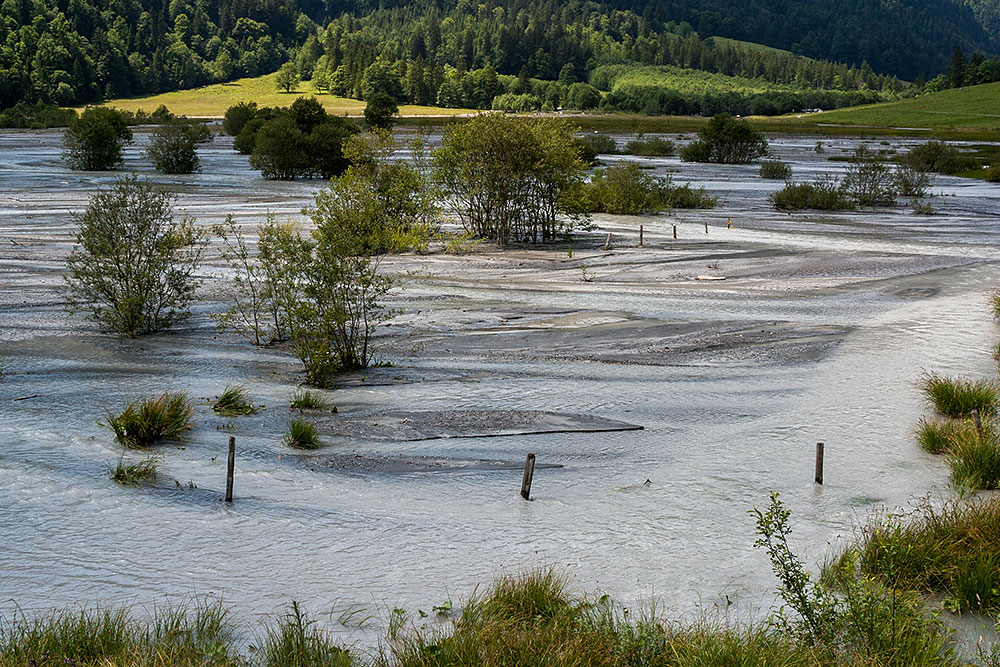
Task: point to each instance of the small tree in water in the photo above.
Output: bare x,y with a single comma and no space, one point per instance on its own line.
173,149
133,267
95,140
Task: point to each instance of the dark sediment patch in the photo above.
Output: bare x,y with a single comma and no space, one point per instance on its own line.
403,426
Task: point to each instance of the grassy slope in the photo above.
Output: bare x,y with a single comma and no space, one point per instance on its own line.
972,108
212,101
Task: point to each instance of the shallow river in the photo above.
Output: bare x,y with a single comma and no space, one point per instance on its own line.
720,431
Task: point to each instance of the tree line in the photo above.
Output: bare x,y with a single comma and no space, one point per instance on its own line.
71,52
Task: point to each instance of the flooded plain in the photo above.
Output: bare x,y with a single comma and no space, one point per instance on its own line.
820,331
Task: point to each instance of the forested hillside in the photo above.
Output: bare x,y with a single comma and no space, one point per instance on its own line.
451,52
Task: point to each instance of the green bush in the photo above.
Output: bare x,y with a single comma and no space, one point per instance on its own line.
625,188
95,140
145,421
958,398
107,278
869,180
652,147
726,140
173,148
825,194
937,156
775,170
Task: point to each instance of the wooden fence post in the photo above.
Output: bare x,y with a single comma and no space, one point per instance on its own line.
529,472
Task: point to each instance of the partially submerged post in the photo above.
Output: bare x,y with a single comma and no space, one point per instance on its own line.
675,231
607,244
819,462
706,226
529,471
640,236
229,469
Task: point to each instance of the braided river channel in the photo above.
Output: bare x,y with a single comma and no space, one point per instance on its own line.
820,332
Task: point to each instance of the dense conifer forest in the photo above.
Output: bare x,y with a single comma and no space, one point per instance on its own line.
464,53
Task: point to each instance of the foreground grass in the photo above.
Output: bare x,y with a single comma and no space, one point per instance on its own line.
148,420
212,101
953,551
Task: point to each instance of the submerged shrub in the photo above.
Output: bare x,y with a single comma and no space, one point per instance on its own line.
626,188
958,398
825,194
652,147
147,420
775,170
599,143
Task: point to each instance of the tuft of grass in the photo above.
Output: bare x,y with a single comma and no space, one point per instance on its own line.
296,642
147,420
134,474
995,304
974,457
825,194
775,170
934,435
958,398
305,399
234,401
302,434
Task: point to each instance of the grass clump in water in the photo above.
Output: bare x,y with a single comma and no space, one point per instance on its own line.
306,399
302,434
297,643
974,457
995,304
958,398
134,474
234,401
147,420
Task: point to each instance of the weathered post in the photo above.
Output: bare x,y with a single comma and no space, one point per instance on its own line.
607,244
675,232
529,472
229,468
819,462
977,420
706,226
640,236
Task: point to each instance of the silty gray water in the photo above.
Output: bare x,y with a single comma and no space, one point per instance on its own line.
722,426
